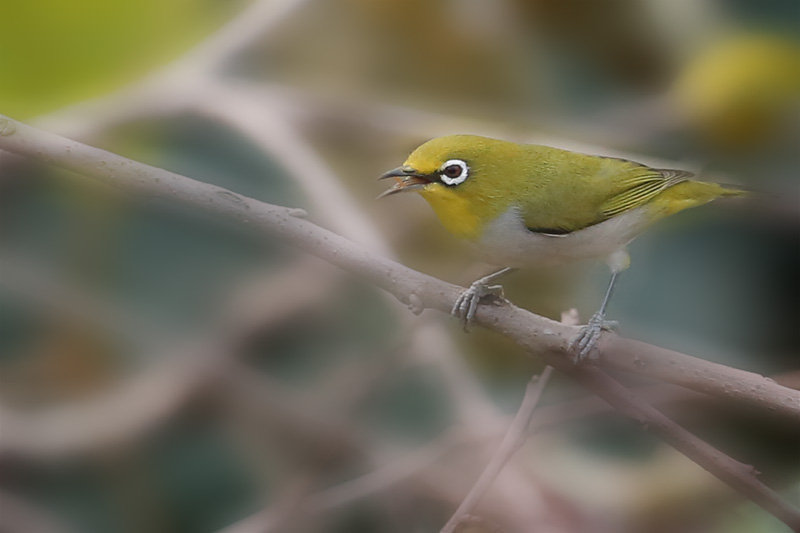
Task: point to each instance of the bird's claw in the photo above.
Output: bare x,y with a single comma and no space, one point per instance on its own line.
588,336
466,304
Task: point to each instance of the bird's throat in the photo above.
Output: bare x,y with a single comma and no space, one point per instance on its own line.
458,214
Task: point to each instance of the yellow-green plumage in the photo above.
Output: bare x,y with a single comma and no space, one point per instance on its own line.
524,205
556,191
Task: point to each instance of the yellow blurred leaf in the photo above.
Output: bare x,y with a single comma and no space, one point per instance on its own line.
54,52
738,89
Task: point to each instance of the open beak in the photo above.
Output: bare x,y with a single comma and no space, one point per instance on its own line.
406,179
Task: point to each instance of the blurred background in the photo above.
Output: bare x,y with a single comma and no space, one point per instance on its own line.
162,370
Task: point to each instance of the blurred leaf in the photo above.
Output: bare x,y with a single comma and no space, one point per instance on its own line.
203,484
352,326
740,89
413,407
750,518
54,52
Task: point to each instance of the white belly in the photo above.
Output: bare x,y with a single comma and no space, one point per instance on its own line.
507,242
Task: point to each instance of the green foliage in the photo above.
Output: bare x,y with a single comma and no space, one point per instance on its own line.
55,52
201,482
749,518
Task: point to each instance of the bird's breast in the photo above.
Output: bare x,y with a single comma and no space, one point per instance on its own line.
506,241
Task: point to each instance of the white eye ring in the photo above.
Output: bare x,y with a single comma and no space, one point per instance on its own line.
454,180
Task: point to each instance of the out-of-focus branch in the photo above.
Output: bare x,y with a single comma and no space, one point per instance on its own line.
246,28
383,477
141,404
265,124
18,516
319,432
117,417
43,287
511,442
396,470
544,337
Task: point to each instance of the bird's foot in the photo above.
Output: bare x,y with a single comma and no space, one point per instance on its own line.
589,334
466,304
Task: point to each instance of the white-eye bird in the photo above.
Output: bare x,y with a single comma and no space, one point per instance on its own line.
525,205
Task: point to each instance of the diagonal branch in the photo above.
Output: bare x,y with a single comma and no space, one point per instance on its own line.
738,475
544,337
540,335
512,440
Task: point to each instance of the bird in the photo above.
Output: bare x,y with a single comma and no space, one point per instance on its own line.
525,205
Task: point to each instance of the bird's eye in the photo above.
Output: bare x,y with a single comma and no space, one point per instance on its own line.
454,171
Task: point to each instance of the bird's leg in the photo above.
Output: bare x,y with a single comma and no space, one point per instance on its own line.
590,333
467,302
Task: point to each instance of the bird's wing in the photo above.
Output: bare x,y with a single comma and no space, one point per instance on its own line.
640,189
578,192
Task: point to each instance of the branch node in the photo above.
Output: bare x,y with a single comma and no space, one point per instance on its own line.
415,304
7,127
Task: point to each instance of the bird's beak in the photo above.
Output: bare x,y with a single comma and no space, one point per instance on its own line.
406,179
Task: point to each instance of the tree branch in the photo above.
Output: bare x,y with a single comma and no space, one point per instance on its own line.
512,440
739,476
541,336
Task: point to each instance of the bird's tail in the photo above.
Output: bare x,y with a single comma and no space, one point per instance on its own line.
689,194
731,190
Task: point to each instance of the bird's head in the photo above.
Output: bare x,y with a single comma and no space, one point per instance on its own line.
465,178
458,163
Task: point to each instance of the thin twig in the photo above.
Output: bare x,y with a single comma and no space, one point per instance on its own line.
263,123
512,440
390,473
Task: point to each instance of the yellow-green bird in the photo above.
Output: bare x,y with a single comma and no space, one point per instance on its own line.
524,205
